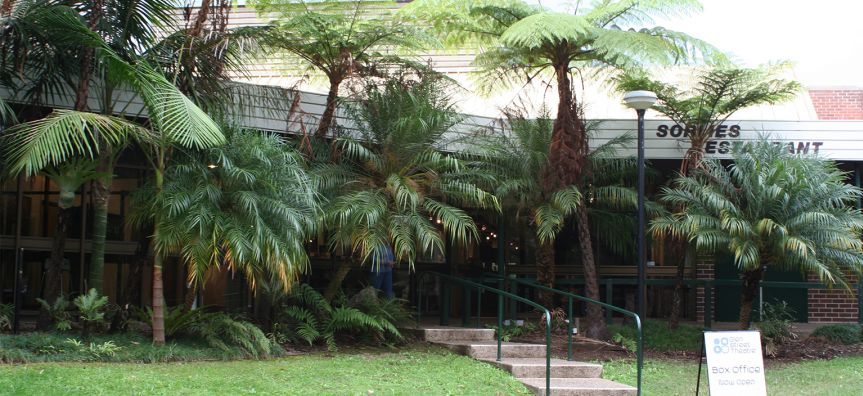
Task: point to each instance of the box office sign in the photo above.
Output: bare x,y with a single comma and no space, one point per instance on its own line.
735,366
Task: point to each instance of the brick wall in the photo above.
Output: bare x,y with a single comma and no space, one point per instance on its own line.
833,306
703,270
838,104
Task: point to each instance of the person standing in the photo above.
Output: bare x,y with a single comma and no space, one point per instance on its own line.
382,272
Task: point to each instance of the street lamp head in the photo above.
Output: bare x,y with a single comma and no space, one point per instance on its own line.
639,100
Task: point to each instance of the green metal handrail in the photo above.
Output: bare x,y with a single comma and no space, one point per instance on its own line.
570,297
500,296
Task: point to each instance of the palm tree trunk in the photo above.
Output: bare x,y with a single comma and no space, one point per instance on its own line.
336,281
190,297
330,109
101,198
545,272
158,289
596,327
158,303
691,161
751,281
679,248
55,266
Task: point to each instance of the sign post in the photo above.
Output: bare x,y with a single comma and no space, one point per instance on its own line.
735,366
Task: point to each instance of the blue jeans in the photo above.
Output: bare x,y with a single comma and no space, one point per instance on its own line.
383,281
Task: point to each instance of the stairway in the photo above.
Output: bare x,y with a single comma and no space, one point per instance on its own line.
526,362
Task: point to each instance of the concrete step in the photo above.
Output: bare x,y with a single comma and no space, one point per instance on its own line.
441,333
488,349
535,368
579,387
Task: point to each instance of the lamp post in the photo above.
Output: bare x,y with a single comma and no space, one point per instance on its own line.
640,101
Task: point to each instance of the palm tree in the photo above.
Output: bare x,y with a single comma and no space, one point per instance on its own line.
68,177
521,42
717,94
173,121
48,44
513,160
394,183
248,206
769,208
339,40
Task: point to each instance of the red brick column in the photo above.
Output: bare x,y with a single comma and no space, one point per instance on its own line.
833,305
704,271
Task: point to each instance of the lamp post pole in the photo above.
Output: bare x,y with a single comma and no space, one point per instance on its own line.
641,101
642,253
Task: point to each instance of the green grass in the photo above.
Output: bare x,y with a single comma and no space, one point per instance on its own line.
416,371
658,338
836,377
53,347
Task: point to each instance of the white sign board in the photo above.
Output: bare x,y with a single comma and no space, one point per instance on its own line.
735,366
837,140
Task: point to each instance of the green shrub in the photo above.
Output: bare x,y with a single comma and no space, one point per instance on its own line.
510,331
97,351
658,337
92,308
221,331
6,312
217,329
627,343
389,312
308,317
844,333
775,326
117,347
178,320
58,311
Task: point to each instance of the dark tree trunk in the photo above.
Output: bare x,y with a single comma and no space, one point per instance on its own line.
132,291
691,160
336,281
6,7
751,281
568,165
595,327
55,267
679,248
545,274
330,109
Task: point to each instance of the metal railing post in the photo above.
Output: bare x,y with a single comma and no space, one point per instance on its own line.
860,300
513,305
499,324
465,313
569,321
444,316
640,348
609,295
478,308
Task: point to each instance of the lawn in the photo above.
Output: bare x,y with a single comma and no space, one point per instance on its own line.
417,370
840,376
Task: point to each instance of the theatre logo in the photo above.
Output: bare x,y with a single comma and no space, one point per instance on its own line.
724,137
